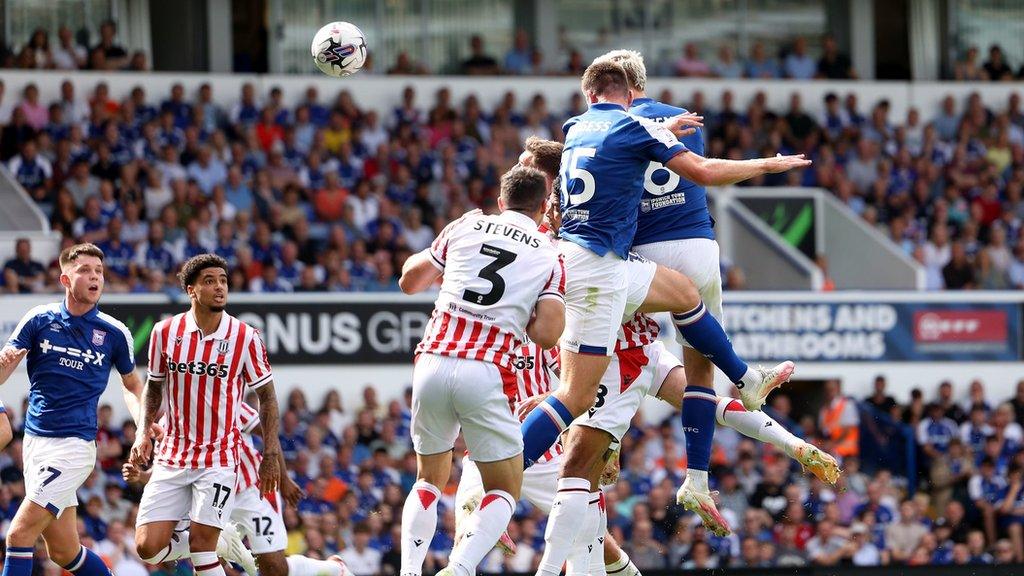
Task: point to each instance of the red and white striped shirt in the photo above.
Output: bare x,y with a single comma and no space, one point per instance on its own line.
638,332
536,373
206,377
249,458
496,269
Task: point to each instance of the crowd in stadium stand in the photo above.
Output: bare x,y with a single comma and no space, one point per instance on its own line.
328,196
73,51
356,465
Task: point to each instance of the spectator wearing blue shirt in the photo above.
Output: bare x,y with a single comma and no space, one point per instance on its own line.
987,490
179,109
118,256
798,64
935,432
975,430
760,65
517,59
246,112
207,170
155,253
883,514
314,502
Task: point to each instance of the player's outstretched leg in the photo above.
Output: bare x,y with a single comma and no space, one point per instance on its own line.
760,426
303,566
672,292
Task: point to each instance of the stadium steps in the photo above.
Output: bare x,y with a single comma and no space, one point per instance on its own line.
773,235
20,217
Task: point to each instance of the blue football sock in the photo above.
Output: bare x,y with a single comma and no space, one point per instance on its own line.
706,335
87,563
542,427
699,404
19,561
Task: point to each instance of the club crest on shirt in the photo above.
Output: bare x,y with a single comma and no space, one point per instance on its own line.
223,346
98,337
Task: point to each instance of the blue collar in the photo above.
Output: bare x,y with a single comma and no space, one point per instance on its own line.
606,106
644,100
65,314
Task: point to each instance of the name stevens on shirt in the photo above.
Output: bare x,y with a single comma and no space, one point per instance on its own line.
516,234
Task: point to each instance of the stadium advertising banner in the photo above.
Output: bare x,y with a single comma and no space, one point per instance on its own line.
307,333
383,329
896,331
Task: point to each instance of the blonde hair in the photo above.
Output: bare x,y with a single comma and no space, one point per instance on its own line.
633,63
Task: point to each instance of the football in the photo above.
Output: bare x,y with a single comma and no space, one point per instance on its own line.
339,49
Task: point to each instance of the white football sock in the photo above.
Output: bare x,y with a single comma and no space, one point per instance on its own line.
597,554
176,549
483,528
302,566
207,564
419,521
578,562
757,425
564,525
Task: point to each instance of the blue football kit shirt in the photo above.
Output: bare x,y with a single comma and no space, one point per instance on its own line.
606,154
672,208
69,361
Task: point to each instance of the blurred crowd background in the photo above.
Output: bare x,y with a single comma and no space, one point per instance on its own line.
356,464
327,196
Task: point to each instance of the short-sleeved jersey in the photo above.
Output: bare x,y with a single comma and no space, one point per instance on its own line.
205,377
606,154
495,270
69,362
537,373
672,207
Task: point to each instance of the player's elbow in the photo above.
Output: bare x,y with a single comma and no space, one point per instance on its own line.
547,327
407,284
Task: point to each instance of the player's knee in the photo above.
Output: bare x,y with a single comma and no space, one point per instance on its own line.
273,564
63,553
203,540
687,295
147,548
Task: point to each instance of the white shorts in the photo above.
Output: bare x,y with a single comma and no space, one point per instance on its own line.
449,393
540,482
203,495
54,470
696,258
633,374
600,294
260,520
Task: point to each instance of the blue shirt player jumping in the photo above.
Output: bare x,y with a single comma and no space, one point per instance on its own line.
606,158
71,348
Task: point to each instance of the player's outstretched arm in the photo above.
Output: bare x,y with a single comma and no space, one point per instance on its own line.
270,469
548,322
719,172
10,357
152,398
418,273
